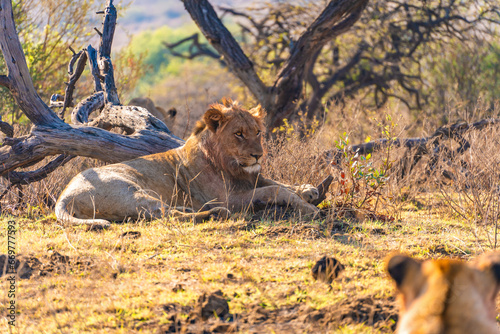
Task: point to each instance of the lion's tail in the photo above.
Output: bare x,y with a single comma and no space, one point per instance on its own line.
64,216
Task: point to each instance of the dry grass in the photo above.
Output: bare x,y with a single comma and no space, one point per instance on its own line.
114,283
149,280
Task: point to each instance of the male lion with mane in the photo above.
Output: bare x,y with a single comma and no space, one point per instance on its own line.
447,296
216,170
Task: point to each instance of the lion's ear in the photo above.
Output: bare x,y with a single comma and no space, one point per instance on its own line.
228,102
214,118
407,274
490,263
258,112
400,267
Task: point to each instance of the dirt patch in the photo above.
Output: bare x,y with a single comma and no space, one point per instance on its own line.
55,263
309,231
19,266
379,313
211,305
302,230
27,267
131,234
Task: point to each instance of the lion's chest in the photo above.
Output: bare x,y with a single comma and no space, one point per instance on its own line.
179,181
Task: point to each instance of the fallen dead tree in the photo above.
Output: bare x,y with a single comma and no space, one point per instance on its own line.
433,146
50,135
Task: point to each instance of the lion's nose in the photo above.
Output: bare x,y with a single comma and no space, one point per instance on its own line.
256,156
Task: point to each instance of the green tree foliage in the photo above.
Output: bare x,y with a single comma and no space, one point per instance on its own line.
47,29
462,75
162,65
150,45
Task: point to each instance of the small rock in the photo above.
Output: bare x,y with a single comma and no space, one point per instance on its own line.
178,288
327,269
212,305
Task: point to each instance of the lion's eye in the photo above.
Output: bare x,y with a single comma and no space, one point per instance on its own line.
239,134
258,133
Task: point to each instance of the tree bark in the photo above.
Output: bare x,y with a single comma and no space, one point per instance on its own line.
50,135
336,19
204,16
280,100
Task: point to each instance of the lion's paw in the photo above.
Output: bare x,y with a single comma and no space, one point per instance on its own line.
220,213
308,192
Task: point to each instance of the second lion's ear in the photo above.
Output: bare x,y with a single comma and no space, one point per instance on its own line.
407,274
490,262
258,112
400,267
214,118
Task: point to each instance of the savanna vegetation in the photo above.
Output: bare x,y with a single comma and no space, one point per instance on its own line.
399,103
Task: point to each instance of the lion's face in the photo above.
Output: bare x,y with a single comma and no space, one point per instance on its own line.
447,296
236,137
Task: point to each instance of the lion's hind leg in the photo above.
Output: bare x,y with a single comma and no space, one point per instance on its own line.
180,214
152,208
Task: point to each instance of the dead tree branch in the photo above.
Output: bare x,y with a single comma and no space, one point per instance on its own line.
80,59
280,100
94,68
216,33
453,131
4,81
104,61
6,128
195,49
51,136
19,80
22,178
81,112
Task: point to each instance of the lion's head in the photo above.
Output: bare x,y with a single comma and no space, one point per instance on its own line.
166,116
446,296
231,138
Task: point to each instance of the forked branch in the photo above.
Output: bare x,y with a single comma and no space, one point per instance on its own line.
195,49
51,136
221,39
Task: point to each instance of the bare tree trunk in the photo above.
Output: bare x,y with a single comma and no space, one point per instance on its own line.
336,19
280,100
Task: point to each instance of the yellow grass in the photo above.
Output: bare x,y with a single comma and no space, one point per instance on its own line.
122,284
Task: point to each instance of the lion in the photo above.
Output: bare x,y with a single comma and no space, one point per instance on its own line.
216,172
168,117
446,296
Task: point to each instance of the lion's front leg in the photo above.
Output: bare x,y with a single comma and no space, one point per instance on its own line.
307,192
274,194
